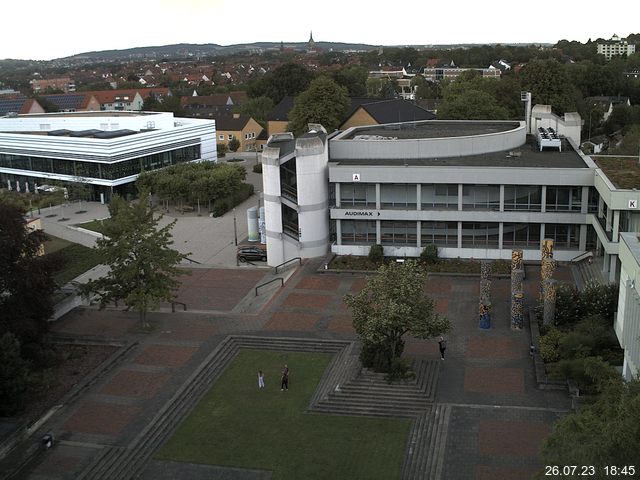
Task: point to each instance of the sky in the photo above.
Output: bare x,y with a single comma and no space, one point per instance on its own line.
43,30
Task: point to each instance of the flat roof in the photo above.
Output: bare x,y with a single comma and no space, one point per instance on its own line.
430,129
528,155
100,113
624,172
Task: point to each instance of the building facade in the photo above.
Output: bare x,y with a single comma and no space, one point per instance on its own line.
106,150
615,46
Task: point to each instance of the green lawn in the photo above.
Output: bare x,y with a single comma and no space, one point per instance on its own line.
76,258
93,225
238,425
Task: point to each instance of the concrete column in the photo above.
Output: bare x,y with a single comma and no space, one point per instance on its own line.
460,190
613,269
378,197
378,232
543,202
582,246
338,232
584,206
459,235
609,220
500,233
501,208
419,196
600,207
616,225
418,234
605,263
337,188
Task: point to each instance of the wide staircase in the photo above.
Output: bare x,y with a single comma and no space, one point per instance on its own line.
588,271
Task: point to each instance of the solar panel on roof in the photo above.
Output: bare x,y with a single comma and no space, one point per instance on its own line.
7,106
84,133
114,134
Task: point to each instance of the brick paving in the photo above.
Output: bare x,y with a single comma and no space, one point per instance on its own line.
498,421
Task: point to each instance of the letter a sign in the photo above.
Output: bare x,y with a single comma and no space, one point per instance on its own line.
356,177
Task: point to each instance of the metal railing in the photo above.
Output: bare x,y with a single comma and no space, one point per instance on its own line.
287,262
582,256
270,281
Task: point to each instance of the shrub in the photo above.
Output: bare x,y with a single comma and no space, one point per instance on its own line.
222,149
400,370
550,345
234,144
588,373
257,168
429,254
223,205
376,253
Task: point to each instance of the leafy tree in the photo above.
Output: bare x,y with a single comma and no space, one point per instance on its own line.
289,79
376,253
222,149
429,254
26,278
14,376
630,144
604,433
470,104
391,305
324,102
143,266
234,144
258,109
353,78
549,84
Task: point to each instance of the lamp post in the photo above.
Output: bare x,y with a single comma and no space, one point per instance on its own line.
235,228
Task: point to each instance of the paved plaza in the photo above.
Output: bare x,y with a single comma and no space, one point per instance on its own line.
498,417
493,417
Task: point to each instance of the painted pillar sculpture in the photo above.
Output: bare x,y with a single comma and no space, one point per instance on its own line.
485,295
517,292
547,287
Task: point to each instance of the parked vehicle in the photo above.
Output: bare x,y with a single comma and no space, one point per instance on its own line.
252,252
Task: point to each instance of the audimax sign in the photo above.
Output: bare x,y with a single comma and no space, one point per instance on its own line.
361,213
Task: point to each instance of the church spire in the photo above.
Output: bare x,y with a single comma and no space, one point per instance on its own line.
311,38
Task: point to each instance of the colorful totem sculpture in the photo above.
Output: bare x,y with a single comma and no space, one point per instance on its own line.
517,292
485,295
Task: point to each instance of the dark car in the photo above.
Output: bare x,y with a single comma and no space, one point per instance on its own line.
252,253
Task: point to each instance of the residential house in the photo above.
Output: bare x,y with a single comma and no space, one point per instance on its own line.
21,105
212,106
74,102
615,46
378,112
608,104
66,84
245,129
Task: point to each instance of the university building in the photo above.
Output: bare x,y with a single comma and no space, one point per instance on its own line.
106,150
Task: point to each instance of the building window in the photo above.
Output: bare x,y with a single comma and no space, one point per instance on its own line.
442,234
480,235
398,196
358,232
221,137
564,236
521,235
290,222
358,195
594,198
564,199
521,197
230,137
481,197
398,233
439,196
289,180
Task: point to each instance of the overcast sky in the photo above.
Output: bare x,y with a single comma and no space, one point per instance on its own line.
43,30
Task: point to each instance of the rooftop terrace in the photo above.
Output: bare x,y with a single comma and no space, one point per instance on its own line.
432,129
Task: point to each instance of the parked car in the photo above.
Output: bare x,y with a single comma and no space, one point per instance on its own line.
251,252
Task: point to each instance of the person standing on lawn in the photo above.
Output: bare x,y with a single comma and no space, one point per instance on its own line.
260,379
284,384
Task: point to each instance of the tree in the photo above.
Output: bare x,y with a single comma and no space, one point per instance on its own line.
258,109
549,84
324,102
26,279
287,80
143,266
353,78
391,305
602,434
470,104
14,376
234,144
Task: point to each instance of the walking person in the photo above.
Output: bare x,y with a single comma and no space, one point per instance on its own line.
284,384
260,379
442,344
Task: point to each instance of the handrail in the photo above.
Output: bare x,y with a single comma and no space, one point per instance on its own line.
582,256
288,261
191,260
173,306
270,281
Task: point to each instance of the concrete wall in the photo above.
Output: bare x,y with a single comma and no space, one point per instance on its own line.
627,321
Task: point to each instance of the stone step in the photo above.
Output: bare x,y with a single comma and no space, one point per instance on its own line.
435,449
376,399
350,390
414,454
364,410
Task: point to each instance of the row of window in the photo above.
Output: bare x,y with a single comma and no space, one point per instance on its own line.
107,171
445,234
247,136
474,197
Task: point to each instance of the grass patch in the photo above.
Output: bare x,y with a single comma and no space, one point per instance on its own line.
53,244
623,172
238,425
93,225
76,259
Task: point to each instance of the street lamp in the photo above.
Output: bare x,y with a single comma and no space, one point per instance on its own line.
235,228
